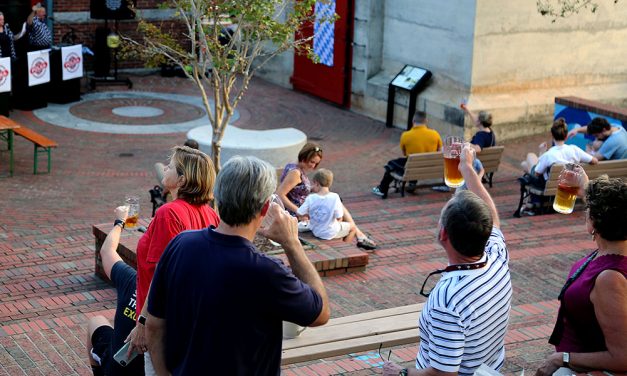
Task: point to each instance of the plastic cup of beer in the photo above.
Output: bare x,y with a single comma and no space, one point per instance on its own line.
567,188
133,211
452,151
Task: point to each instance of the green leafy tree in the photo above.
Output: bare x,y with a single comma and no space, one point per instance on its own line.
222,61
566,8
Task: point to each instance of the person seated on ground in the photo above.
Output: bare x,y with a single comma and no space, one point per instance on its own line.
325,210
591,328
614,139
419,139
295,187
538,168
104,340
464,321
160,168
215,296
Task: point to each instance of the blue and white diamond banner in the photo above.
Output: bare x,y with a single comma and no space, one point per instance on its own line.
324,31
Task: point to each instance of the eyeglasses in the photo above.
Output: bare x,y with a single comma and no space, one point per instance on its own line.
430,288
317,149
450,268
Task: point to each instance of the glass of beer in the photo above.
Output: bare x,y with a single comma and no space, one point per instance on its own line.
452,151
133,211
567,188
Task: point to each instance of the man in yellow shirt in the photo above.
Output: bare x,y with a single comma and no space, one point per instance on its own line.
419,139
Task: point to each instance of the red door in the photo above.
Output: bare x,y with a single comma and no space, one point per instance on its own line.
330,80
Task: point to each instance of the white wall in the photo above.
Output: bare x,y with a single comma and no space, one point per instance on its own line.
437,35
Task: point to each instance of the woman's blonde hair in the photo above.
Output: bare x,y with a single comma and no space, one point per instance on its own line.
199,173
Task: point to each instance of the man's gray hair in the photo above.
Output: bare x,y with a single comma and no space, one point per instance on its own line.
242,188
468,222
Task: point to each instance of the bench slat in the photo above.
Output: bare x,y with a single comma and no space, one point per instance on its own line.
35,137
341,332
416,308
327,350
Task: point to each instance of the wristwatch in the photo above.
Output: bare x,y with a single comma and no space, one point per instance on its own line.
118,222
566,359
403,372
142,320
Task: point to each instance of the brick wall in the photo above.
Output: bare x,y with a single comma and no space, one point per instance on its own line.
85,28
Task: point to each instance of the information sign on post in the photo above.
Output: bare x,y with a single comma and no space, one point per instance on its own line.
412,79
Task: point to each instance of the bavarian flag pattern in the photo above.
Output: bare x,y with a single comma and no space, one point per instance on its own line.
324,31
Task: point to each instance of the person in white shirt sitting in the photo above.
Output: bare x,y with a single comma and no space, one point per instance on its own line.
538,168
325,210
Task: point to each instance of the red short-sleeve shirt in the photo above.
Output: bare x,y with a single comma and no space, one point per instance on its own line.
170,220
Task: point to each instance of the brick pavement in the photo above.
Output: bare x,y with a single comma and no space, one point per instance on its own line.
47,285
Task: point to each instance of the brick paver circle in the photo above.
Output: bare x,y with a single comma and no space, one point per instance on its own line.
94,113
137,111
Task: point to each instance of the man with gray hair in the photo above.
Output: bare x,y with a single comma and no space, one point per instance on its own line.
464,320
214,296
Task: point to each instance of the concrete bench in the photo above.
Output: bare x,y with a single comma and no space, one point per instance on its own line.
276,146
428,168
355,333
614,169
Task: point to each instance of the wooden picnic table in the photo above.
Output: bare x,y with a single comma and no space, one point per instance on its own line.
6,133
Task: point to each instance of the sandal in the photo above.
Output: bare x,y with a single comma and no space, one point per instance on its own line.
366,244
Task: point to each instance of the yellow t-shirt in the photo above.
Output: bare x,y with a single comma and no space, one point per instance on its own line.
420,139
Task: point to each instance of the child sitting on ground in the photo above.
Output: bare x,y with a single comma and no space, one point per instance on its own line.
325,210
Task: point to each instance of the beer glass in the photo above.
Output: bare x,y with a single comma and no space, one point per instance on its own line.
567,188
133,211
268,219
452,151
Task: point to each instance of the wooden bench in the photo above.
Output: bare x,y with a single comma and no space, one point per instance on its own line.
355,333
614,169
42,144
430,167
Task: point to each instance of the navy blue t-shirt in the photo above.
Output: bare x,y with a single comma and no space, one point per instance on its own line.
124,279
484,139
224,303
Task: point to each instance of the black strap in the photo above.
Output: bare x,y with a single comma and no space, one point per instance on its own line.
558,330
452,268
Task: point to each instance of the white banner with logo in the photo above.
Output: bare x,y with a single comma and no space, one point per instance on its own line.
38,67
5,74
72,62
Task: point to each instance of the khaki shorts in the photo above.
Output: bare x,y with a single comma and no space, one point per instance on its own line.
345,229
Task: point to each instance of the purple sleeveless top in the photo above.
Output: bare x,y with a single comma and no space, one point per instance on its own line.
582,332
299,193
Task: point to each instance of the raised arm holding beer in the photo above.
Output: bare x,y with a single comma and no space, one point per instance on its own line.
477,270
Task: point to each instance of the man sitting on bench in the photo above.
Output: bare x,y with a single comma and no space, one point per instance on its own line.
464,320
419,139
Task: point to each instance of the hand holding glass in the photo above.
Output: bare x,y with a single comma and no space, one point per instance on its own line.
452,151
568,184
268,219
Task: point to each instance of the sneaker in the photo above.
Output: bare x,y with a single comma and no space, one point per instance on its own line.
303,226
366,244
378,192
441,188
411,188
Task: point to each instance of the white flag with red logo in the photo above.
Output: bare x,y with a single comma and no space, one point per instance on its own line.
38,67
72,62
5,74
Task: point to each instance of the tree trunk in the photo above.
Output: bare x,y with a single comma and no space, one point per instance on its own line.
216,150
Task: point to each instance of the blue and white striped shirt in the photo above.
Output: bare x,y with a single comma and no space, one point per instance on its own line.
464,321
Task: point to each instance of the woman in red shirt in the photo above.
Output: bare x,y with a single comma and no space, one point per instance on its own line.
189,177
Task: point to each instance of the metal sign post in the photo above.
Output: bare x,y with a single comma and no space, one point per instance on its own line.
412,79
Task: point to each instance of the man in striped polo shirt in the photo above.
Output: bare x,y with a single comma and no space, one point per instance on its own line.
464,320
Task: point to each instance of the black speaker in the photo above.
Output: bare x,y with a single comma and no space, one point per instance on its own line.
111,10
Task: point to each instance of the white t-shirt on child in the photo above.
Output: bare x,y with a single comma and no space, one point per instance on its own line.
323,211
561,154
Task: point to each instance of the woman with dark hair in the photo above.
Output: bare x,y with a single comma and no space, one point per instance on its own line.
591,328
295,187
189,177
484,138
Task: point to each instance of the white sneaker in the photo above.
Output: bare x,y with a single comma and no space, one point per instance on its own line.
303,226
